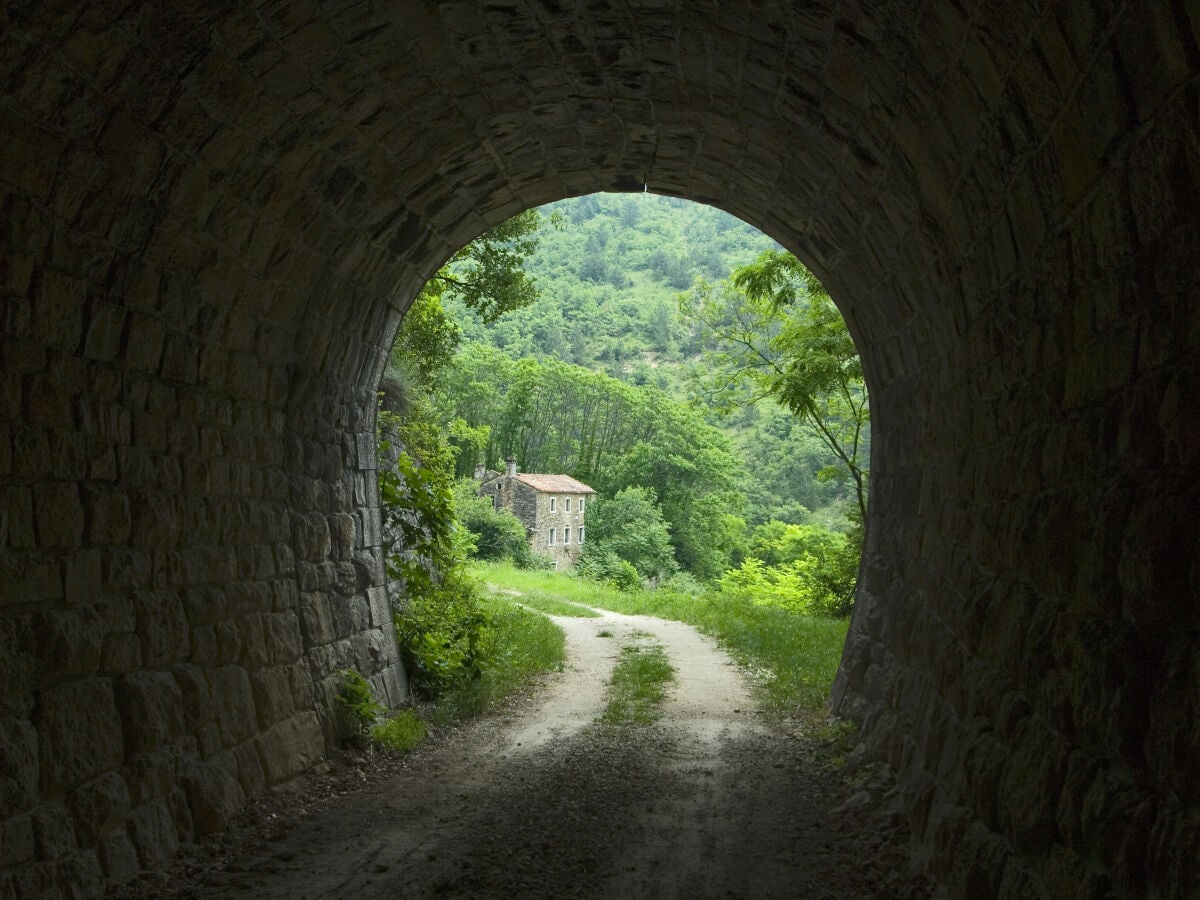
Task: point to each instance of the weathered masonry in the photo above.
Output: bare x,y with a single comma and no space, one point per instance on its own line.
551,507
213,215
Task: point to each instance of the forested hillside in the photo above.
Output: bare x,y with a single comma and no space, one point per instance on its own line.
602,360
608,268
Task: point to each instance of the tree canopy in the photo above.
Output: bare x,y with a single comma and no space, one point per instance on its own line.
772,331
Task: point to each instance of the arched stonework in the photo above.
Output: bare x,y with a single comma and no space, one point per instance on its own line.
212,215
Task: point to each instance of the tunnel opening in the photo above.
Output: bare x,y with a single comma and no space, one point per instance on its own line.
504,391
212,216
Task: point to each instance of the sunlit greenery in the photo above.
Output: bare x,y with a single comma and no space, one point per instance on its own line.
792,656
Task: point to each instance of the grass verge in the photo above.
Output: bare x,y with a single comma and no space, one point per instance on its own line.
793,656
639,685
536,587
518,645
552,606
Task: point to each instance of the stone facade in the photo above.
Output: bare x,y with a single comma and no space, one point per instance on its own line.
213,216
551,507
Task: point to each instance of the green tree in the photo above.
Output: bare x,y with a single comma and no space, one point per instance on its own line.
498,534
487,276
773,331
631,525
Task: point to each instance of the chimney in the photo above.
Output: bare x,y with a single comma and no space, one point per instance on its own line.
511,470
480,471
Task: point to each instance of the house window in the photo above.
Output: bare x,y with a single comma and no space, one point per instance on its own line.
581,504
566,535
552,499
553,531
568,504
581,534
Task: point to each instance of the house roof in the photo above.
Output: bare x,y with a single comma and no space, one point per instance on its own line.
554,484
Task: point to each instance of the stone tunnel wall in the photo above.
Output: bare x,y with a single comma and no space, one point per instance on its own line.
212,215
189,542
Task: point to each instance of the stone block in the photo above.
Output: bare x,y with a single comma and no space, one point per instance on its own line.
79,732
18,502
162,627
282,631
105,331
108,516
54,832
203,605
197,699
18,764
156,520
83,583
214,793
16,840
121,653
36,881
395,686
229,641
59,515
272,695
153,834
310,536
30,578
204,645
254,653
151,706
380,609
98,805
80,875
128,569
152,776
67,643
117,855
249,769
233,699
343,534
285,559
291,746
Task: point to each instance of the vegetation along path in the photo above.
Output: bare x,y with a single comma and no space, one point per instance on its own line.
543,801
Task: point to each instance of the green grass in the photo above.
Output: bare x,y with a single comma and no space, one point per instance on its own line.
639,685
519,645
793,656
552,606
535,586
401,733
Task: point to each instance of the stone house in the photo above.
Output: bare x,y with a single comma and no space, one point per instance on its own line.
551,507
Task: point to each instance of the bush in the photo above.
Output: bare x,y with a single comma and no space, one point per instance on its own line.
498,533
533,562
804,568
401,733
356,706
440,632
603,565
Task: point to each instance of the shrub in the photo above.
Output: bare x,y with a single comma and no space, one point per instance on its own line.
605,566
498,533
533,562
356,706
401,733
439,633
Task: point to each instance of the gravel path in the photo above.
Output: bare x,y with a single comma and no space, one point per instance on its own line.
541,802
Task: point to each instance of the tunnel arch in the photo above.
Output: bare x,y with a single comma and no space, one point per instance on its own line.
213,215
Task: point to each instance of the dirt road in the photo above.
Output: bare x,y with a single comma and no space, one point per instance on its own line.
542,802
